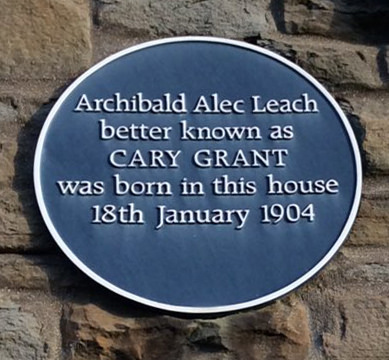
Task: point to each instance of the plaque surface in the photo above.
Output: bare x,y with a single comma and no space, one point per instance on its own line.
198,174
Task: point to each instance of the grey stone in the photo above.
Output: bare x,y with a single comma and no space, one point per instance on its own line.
29,324
20,335
357,20
7,112
334,63
235,18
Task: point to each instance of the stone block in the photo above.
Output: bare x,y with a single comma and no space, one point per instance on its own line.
348,324
372,224
365,268
362,329
358,20
19,272
29,327
12,221
335,64
7,112
8,150
373,113
279,331
21,225
22,99
354,269
40,272
233,19
349,306
44,39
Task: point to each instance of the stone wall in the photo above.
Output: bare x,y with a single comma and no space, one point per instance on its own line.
49,310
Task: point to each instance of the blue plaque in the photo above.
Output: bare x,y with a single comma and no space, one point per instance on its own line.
198,174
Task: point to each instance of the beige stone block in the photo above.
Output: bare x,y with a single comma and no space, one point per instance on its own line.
21,226
44,39
365,269
353,269
350,307
361,331
40,272
22,99
8,150
373,113
279,331
23,272
372,224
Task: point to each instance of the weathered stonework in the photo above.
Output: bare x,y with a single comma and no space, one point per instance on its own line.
44,39
366,271
40,272
361,333
14,227
49,310
349,306
348,326
21,226
334,63
278,332
29,327
7,112
372,225
373,112
358,20
234,19
8,149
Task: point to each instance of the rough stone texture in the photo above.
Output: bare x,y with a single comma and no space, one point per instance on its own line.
7,112
29,327
372,225
8,149
21,226
234,18
23,99
40,272
349,309
362,333
367,270
353,268
277,332
19,338
50,38
357,20
349,326
15,230
341,314
333,63
373,113
14,226
109,43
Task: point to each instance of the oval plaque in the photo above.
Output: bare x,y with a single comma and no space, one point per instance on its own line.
198,174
